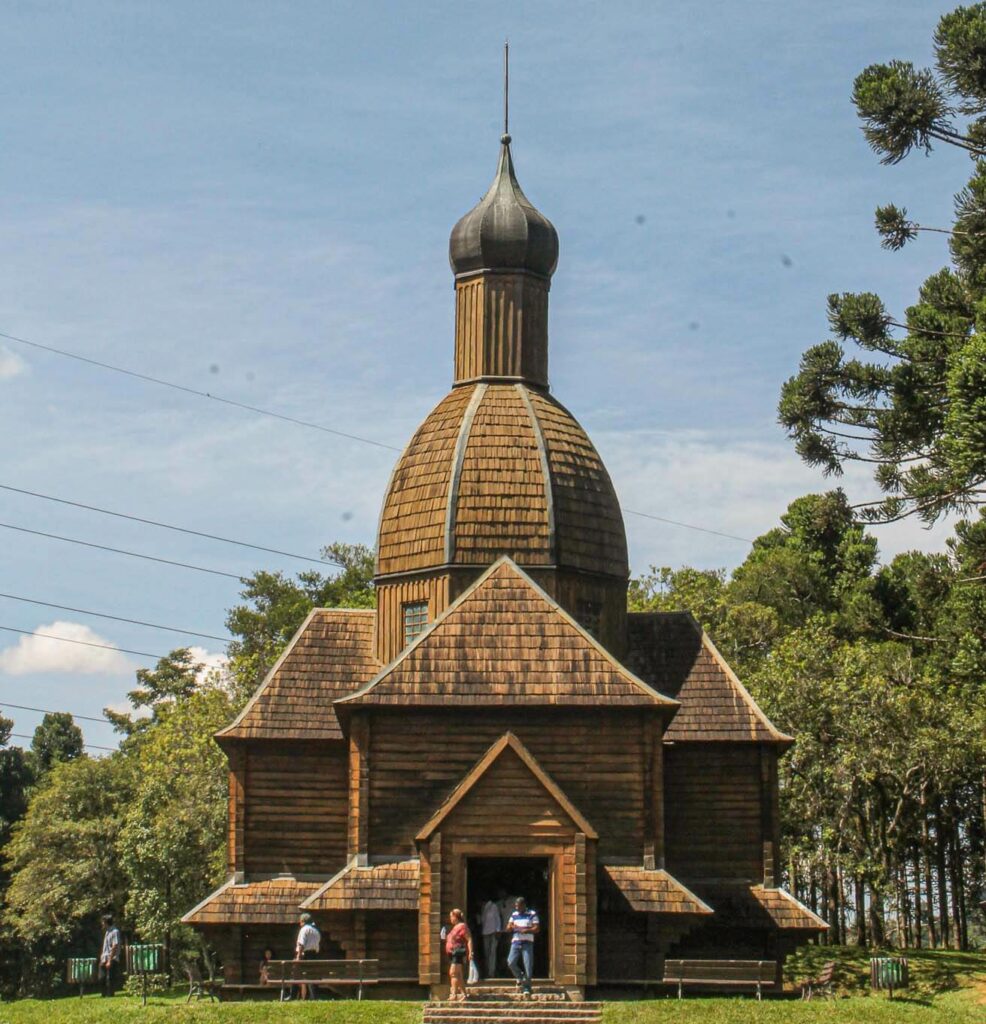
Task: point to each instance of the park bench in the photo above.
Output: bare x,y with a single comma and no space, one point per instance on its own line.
823,983
750,974
332,974
198,986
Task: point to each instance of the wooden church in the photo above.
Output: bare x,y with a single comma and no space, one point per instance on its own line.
500,724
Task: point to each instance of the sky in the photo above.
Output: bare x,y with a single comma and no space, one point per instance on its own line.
254,200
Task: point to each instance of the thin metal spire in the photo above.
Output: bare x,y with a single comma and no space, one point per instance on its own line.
506,89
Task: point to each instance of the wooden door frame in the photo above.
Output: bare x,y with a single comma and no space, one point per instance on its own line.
507,848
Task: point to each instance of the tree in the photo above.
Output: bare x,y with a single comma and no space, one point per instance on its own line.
912,403
64,864
172,843
276,607
56,739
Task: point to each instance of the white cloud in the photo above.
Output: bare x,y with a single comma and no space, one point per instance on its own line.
736,485
11,364
35,654
210,662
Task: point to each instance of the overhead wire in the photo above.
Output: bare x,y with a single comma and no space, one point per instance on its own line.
90,746
114,618
82,643
301,423
47,711
121,551
168,526
194,391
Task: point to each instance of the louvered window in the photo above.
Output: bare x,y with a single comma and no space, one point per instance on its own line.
415,619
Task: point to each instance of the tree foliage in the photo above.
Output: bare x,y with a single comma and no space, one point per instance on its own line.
908,398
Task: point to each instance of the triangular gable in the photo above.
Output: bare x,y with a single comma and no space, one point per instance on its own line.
331,655
508,741
504,640
673,653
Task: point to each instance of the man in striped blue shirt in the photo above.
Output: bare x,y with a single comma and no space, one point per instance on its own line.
523,926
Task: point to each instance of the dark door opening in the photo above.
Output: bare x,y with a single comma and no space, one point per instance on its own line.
503,879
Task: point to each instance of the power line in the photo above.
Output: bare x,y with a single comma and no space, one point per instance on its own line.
300,423
687,526
46,711
83,643
115,618
194,391
120,551
91,746
169,526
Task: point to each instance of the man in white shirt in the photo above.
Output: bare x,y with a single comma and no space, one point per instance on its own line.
492,925
523,926
306,947
109,957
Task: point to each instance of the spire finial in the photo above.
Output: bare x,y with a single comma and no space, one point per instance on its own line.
506,92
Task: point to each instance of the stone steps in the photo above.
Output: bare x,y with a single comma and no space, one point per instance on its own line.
513,1011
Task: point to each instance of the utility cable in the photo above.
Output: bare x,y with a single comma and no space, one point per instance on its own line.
90,746
194,391
297,422
169,526
46,711
115,618
120,551
82,643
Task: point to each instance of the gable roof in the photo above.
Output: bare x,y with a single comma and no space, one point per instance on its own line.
392,886
274,901
508,741
332,654
505,640
653,890
672,652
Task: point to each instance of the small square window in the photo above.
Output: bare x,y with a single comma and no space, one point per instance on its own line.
415,619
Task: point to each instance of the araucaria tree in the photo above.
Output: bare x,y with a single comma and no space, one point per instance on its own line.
909,397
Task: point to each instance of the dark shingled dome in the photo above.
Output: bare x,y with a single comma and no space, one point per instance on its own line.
504,231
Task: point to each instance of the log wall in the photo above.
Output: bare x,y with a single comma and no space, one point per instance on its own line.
598,760
714,811
294,809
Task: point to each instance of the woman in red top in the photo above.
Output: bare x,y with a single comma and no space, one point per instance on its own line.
458,945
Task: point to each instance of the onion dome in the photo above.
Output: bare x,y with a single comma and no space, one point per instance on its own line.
501,469
504,231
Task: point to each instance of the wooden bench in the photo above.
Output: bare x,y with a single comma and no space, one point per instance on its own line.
751,974
332,974
824,983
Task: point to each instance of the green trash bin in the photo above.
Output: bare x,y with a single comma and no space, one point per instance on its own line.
888,973
143,960
82,971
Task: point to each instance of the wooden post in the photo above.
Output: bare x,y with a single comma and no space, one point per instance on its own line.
359,789
235,847
770,817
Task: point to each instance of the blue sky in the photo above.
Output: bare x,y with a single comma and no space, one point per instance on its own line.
254,199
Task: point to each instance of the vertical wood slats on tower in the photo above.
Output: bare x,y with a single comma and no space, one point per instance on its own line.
501,328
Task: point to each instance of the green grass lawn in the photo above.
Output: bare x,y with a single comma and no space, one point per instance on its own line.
948,988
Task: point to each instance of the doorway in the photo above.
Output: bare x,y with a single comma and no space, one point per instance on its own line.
502,879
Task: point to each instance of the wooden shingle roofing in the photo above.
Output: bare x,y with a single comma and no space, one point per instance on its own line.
653,891
377,887
501,469
756,906
275,901
332,654
505,640
671,651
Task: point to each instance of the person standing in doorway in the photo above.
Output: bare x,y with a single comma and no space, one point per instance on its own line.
523,926
492,925
458,945
306,947
109,957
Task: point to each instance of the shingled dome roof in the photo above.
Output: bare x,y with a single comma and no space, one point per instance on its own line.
504,231
501,469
